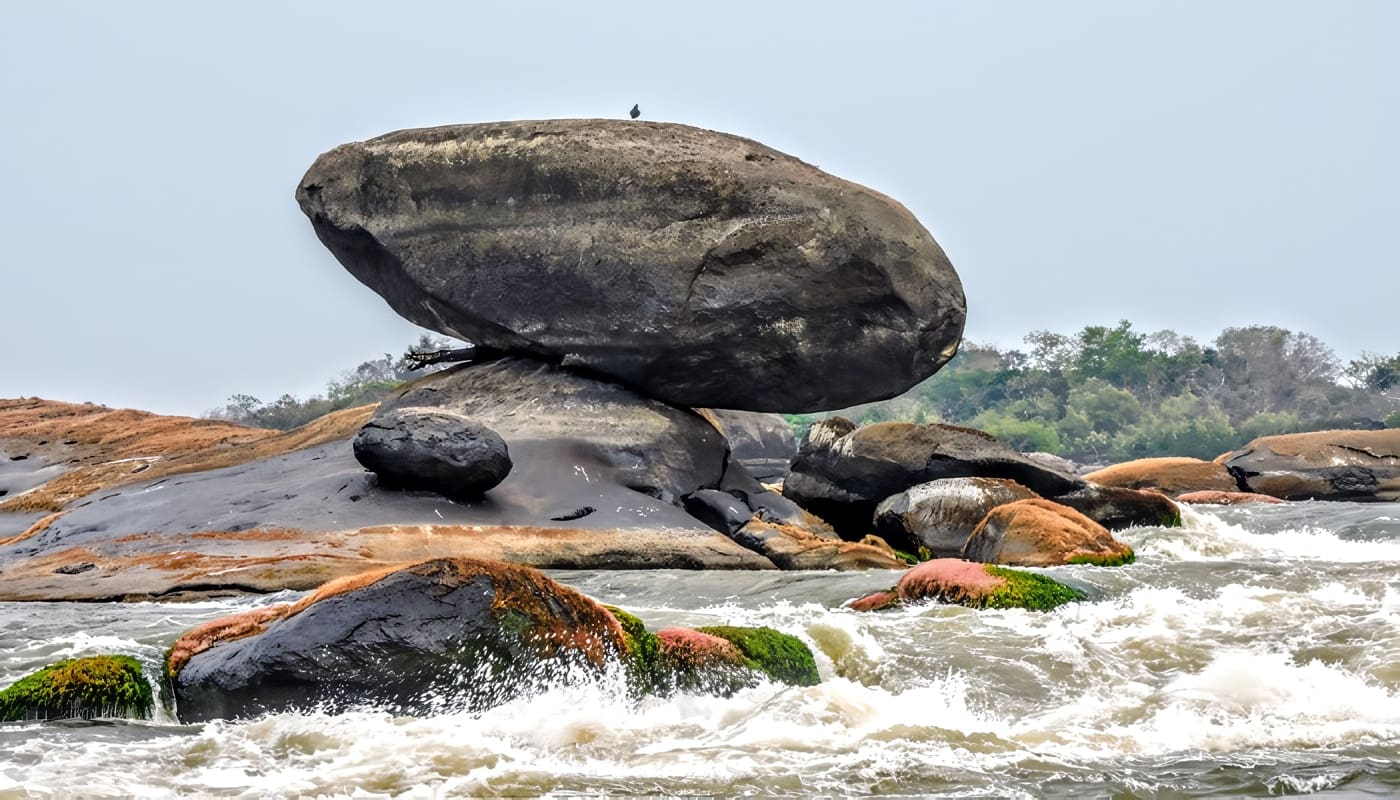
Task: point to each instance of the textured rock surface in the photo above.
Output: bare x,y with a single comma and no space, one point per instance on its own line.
1172,475
763,443
1117,508
434,450
643,444
842,472
1326,465
702,268
1039,533
1225,498
939,516
460,632
798,547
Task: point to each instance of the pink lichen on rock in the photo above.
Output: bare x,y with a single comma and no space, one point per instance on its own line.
690,648
950,579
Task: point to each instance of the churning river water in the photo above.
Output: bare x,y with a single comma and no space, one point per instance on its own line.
1254,651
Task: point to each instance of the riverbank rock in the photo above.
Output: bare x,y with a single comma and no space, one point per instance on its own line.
702,269
431,449
1040,533
1325,465
460,632
763,443
1171,475
934,519
80,688
798,547
843,472
950,580
1225,498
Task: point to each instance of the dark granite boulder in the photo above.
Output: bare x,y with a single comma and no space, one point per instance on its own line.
698,267
842,472
452,632
763,443
432,449
1325,465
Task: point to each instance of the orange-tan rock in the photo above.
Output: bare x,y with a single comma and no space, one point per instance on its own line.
1040,533
1171,475
1225,498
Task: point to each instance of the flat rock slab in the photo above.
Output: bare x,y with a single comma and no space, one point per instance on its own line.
701,268
298,519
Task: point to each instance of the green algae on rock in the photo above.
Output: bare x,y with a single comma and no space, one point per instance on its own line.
967,583
96,686
780,656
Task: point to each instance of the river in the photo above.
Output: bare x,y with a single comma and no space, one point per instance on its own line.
1254,651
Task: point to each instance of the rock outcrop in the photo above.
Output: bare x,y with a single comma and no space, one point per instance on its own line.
1039,533
697,267
950,580
433,449
934,519
843,472
1325,465
1173,475
613,433
460,632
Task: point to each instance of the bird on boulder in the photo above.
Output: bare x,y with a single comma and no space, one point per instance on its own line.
635,112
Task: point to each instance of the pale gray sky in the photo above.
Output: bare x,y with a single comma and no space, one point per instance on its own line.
1190,165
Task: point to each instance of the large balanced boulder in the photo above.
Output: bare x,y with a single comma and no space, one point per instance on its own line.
1325,465
1173,475
843,472
463,632
644,444
934,519
433,449
700,268
1039,533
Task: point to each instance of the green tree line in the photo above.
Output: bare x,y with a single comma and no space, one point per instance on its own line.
370,382
1109,394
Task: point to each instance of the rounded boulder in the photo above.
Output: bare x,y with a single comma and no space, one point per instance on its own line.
424,448
700,268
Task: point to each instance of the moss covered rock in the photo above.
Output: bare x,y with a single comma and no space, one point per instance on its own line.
950,580
780,656
97,686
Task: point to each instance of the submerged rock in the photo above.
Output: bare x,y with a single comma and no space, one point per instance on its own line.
460,632
950,580
1040,533
1325,465
700,268
81,688
934,519
434,450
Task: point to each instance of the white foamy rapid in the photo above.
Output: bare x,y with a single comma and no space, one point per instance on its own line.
1245,653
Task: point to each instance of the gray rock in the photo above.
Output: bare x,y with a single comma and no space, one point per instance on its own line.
843,472
763,443
701,268
434,450
614,433
940,515
720,510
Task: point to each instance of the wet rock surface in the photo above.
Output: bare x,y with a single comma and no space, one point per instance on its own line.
700,268
939,516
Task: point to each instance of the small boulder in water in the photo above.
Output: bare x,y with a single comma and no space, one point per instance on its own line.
82,688
938,516
1039,533
1225,498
